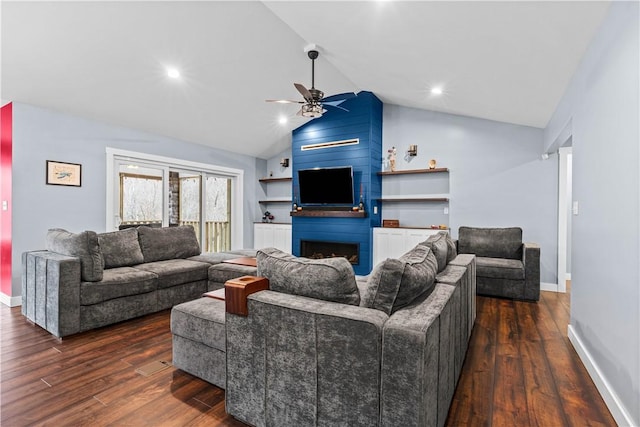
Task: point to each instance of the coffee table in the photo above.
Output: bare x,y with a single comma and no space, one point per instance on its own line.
217,294
245,260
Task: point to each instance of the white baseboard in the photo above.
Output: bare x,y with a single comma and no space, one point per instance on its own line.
10,301
551,287
618,411
568,276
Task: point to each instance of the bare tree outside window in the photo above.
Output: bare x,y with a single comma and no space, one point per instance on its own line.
141,198
217,199
190,199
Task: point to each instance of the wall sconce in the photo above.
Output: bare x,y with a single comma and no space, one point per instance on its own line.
284,162
413,150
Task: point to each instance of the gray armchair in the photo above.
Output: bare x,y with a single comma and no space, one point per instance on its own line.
506,267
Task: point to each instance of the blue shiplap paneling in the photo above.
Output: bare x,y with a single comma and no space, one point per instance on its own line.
363,121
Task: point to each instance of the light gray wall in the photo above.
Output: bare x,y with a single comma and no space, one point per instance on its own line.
602,105
496,178
40,135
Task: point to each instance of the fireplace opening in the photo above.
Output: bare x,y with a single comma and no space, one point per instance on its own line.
316,249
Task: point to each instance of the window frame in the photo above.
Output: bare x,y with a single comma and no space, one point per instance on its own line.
115,156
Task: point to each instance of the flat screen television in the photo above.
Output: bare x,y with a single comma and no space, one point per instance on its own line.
326,186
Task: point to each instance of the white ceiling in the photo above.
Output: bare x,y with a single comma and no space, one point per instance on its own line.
504,61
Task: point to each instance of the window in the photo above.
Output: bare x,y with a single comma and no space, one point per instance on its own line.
146,189
140,199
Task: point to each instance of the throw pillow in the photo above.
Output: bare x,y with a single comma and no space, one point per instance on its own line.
82,245
159,244
452,253
329,279
491,242
396,283
438,244
120,248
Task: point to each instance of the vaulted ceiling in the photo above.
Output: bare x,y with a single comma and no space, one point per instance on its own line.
504,61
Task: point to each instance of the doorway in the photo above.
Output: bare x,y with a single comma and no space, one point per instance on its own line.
565,202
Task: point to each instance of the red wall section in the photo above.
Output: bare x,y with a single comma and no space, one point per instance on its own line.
6,122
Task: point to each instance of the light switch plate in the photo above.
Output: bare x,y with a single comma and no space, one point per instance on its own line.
574,208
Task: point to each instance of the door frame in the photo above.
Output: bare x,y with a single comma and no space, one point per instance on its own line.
563,156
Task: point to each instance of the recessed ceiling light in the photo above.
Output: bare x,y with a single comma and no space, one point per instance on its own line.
436,91
173,73
282,120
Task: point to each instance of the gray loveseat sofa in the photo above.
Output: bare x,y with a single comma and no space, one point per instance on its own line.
322,347
88,280
507,267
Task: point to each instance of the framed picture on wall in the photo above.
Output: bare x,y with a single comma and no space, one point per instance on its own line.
62,173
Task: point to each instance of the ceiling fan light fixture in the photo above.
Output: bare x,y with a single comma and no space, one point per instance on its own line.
311,110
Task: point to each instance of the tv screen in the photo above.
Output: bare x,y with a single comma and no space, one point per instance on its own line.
326,186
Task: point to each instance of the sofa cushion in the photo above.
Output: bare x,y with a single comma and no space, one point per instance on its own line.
159,244
491,242
329,279
220,273
117,282
213,257
440,248
82,245
452,252
120,248
200,320
396,283
174,272
500,268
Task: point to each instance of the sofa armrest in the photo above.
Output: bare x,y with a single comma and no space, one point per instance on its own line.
301,361
51,291
418,379
531,261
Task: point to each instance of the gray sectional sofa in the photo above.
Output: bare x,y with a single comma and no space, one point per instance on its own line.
88,280
325,347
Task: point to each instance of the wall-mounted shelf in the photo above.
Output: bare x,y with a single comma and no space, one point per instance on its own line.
328,213
266,180
413,199
275,200
405,172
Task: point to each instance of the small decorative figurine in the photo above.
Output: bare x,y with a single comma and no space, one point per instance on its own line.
432,164
267,217
392,158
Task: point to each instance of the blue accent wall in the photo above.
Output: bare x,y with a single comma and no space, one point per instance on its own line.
362,121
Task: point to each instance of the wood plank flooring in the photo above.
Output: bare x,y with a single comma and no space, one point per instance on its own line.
520,370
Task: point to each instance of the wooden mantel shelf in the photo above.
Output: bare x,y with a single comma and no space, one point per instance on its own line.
329,213
414,199
404,172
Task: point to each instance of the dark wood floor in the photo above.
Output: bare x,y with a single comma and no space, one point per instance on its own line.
520,370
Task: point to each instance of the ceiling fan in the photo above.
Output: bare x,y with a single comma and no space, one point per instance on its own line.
314,99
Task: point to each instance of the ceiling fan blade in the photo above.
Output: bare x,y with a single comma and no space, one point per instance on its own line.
339,97
284,101
304,91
